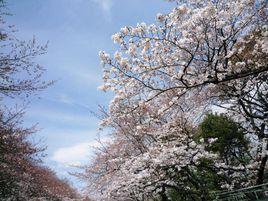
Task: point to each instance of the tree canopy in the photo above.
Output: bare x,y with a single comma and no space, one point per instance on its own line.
165,76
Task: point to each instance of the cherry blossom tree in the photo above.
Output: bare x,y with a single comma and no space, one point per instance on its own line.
247,98
17,155
20,75
22,175
46,184
164,77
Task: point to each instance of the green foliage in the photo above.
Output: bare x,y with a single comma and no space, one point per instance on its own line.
225,137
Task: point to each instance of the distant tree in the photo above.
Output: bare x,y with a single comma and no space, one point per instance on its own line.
22,176
46,184
17,155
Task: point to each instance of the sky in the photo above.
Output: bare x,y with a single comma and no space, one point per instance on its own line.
76,30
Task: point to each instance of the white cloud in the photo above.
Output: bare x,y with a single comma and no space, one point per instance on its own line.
76,154
73,155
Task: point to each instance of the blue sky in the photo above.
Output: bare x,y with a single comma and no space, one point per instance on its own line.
76,30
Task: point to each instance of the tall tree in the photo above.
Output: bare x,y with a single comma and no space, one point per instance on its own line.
202,53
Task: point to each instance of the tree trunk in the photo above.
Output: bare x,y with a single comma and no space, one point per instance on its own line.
260,175
163,195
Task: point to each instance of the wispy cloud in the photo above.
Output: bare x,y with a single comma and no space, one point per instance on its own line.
63,98
106,6
67,100
60,116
